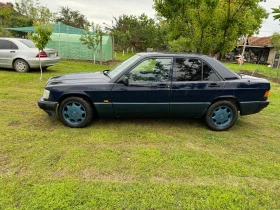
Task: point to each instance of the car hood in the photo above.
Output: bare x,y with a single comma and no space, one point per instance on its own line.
78,78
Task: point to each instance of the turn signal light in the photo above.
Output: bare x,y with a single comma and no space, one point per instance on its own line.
266,94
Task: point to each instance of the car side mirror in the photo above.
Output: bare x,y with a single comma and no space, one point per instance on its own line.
124,80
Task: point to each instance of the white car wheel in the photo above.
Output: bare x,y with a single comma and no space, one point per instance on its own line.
21,66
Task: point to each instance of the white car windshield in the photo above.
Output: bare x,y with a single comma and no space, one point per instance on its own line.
122,66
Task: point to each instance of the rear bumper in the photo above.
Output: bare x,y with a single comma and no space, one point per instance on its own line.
50,107
45,62
252,107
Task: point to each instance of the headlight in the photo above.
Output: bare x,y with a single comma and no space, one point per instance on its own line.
46,94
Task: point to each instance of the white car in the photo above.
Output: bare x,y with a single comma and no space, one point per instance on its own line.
22,55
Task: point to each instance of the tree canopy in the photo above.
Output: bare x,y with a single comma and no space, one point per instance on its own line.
92,37
9,17
34,10
209,26
41,37
275,41
72,17
276,11
137,32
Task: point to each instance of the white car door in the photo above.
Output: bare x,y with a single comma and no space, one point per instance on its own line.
8,50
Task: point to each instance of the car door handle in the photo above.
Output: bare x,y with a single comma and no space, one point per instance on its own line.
12,51
163,86
213,85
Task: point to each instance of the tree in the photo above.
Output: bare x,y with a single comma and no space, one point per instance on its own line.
209,26
33,10
92,38
72,17
137,32
277,12
275,41
41,37
9,17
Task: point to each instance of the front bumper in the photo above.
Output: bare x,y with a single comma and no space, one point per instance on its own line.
50,107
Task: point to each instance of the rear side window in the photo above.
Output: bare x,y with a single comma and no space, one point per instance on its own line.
7,45
28,43
193,69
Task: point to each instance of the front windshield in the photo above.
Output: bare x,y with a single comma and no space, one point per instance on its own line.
122,66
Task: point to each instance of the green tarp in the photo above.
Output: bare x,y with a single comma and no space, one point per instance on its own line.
66,40
57,28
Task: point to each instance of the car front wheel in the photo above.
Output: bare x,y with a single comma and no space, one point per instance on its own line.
21,66
75,112
221,115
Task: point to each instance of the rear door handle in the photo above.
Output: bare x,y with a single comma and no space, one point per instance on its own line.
12,51
213,85
163,86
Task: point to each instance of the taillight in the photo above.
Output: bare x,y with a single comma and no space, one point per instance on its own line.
266,94
42,54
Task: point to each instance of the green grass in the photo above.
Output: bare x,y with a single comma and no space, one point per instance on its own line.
122,57
256,69
132,163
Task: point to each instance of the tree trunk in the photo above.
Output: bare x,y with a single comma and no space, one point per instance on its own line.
40,65
100,53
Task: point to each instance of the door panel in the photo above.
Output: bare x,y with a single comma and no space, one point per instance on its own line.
147,92
8,51
195,85
193,98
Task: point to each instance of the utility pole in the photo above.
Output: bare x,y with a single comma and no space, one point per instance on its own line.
242,55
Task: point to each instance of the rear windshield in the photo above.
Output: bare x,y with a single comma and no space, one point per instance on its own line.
28,43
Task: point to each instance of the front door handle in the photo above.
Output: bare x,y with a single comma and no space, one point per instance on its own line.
12,51
213,85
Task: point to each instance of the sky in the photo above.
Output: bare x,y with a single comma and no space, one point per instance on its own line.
103,11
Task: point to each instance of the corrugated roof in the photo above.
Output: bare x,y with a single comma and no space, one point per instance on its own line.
254,41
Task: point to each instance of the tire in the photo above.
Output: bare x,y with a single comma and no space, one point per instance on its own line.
221,115
75,112
21,66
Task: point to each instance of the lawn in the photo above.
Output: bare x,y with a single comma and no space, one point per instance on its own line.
132,163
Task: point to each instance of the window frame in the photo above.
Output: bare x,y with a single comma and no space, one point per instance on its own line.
170,71
203,62
13,46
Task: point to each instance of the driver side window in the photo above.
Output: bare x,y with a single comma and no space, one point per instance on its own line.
151,70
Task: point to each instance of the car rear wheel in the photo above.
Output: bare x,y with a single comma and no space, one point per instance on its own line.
75,112
221,115
21,66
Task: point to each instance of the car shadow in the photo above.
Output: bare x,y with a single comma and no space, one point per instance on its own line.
147,121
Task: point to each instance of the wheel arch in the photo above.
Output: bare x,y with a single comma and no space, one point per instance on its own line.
17,58
228,98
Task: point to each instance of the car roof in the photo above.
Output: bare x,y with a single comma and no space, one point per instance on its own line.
221,69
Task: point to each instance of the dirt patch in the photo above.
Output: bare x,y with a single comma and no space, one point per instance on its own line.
14,124
276,80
